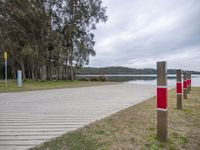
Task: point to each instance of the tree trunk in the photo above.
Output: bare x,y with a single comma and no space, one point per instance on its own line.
74,73
23,69
50,72
71,63
47,70
33,72
63,72
14,73
43,73
59,69
29,73
66,67
71,73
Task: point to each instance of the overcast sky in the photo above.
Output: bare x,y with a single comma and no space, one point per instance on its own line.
141,32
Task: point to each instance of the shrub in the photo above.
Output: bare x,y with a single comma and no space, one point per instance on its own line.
83,79
94,79
103,78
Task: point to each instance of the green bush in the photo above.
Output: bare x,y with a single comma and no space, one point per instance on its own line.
83,79
103,78
100,79
94,79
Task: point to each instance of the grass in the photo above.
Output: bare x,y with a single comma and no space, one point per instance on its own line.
43,85
135,128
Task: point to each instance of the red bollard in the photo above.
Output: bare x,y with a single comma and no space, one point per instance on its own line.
190,82
162,101
185,86
179,89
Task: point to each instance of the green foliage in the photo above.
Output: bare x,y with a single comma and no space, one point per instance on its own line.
49,39
100,78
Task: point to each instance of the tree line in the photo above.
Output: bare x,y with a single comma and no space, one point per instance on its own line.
123,71
48,39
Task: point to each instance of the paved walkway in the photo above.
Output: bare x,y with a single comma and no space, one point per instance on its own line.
30,118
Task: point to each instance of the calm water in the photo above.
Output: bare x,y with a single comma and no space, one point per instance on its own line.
142,79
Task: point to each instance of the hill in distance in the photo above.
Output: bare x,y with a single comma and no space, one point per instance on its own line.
122,70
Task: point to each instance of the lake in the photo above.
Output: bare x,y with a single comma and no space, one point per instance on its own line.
142,79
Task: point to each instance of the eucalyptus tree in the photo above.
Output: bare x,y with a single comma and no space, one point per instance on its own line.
48,37
80,18
28,26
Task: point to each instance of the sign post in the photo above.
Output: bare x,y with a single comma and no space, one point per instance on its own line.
6,74
179,88
162,101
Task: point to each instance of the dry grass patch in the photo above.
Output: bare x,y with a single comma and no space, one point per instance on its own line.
135,128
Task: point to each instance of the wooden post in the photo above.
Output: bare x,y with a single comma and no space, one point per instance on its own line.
162,101
188,83
179,88
184,85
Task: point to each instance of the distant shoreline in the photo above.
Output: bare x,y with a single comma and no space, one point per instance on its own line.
131,75
125,71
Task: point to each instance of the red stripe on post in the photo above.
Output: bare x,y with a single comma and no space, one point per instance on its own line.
188,82
162,98
185,84
179,88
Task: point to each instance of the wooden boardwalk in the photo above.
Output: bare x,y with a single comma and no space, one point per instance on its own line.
30,118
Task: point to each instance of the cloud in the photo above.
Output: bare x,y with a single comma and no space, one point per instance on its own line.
139,33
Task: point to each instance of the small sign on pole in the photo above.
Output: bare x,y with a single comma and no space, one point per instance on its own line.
5,55
6,74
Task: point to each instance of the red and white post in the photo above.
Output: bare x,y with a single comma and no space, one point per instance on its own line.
179,88
190,82
184,85
162,101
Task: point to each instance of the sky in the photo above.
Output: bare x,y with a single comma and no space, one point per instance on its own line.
139,33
